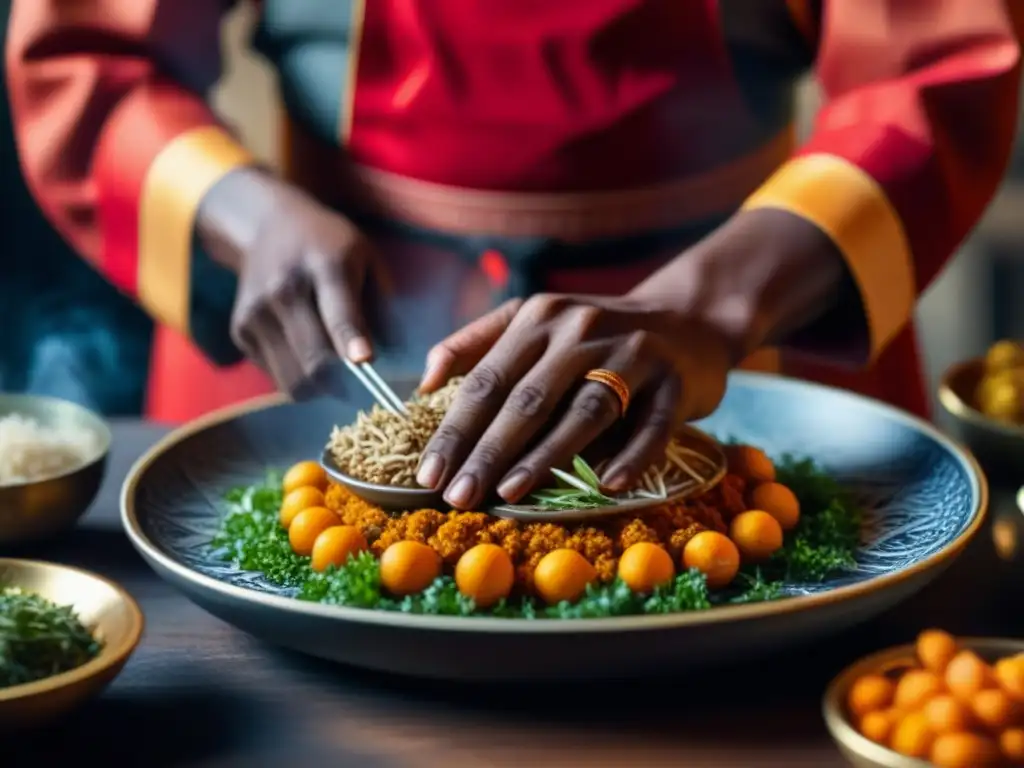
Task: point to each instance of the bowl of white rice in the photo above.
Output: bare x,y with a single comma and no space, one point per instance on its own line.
53,455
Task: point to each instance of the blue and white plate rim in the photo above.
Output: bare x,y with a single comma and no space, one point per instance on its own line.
727,613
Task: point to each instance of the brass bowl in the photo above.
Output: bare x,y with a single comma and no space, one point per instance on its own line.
998,446
863,752
103,607
41,508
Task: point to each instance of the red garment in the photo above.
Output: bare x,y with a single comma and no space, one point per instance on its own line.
577,120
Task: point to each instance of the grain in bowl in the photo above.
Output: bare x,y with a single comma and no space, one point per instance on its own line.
385,448
31,450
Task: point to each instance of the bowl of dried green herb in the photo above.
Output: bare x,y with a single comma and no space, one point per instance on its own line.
64,635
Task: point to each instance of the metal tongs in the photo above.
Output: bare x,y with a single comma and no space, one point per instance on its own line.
377,387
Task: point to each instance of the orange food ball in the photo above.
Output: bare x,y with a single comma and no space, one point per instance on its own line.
964,750
335,545
750,463
947,714
1011,744
966,674
916,687
912,736
878,726
757,534
1009,673
935,649
309,524
644,566
408,567
778,501
994,709
305,473
486,574
870,693
563,574
301,498
715,555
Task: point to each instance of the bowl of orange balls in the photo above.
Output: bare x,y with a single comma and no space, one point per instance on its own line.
982,405
942,701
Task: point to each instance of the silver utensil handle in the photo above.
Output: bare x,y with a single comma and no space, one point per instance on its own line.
377,387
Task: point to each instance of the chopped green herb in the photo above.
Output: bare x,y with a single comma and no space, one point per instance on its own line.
826,538
688,592
252,538
39,639
442,598
757,589
600,600
356,585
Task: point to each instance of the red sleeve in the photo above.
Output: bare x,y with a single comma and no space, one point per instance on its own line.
911,144
114,134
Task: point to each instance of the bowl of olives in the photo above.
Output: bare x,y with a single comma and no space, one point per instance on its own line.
982,405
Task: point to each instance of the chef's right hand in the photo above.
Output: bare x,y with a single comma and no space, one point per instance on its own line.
301,271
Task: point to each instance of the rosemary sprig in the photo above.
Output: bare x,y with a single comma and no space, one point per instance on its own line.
585,473
582,489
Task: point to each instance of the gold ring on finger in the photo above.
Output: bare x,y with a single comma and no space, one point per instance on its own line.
614,382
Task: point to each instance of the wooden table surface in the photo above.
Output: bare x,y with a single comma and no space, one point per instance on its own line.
200,693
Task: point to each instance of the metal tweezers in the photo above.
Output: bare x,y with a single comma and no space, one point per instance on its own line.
377,387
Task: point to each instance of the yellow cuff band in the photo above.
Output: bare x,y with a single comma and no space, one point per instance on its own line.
853,210
175,185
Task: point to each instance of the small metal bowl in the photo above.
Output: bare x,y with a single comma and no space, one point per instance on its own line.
863,752
998,446
42,508
388,497
103,607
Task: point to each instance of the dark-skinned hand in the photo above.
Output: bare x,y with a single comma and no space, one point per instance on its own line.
525,406
525,359
301,271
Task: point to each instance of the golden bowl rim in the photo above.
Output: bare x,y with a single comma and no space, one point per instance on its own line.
288,606
103,430
841,729
109,656
956,406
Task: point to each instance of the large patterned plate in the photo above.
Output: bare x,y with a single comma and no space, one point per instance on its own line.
925,498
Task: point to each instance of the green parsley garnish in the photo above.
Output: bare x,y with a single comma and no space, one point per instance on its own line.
252,538
39,639
756,589
826,538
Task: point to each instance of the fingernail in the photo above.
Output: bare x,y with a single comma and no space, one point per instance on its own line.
514,486
429,367
425,379
358,350
430,471
616,481
461,492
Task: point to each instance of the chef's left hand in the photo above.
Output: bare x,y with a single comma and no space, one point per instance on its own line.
525,359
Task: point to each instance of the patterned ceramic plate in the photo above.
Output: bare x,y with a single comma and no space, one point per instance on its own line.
925,497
